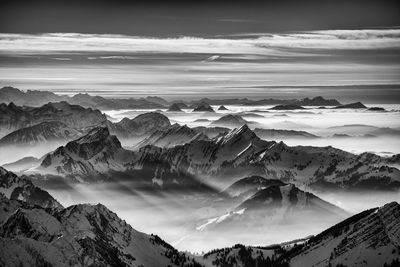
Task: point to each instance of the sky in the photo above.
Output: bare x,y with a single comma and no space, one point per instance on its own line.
348,50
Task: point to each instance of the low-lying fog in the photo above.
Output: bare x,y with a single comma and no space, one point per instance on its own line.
175,216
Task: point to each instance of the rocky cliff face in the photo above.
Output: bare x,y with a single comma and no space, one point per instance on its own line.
370,238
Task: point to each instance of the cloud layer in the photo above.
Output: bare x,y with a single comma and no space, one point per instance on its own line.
259,44
327,63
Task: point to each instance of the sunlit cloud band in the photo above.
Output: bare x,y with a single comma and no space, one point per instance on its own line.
262,44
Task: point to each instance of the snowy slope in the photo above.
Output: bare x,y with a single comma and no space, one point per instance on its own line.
370,238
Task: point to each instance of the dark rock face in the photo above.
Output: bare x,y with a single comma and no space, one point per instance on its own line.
287,107
222,108
203,107
356,105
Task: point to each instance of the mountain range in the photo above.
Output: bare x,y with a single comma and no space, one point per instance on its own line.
47,131
172,136
241,153
226,157
62,122
37,98
73,116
